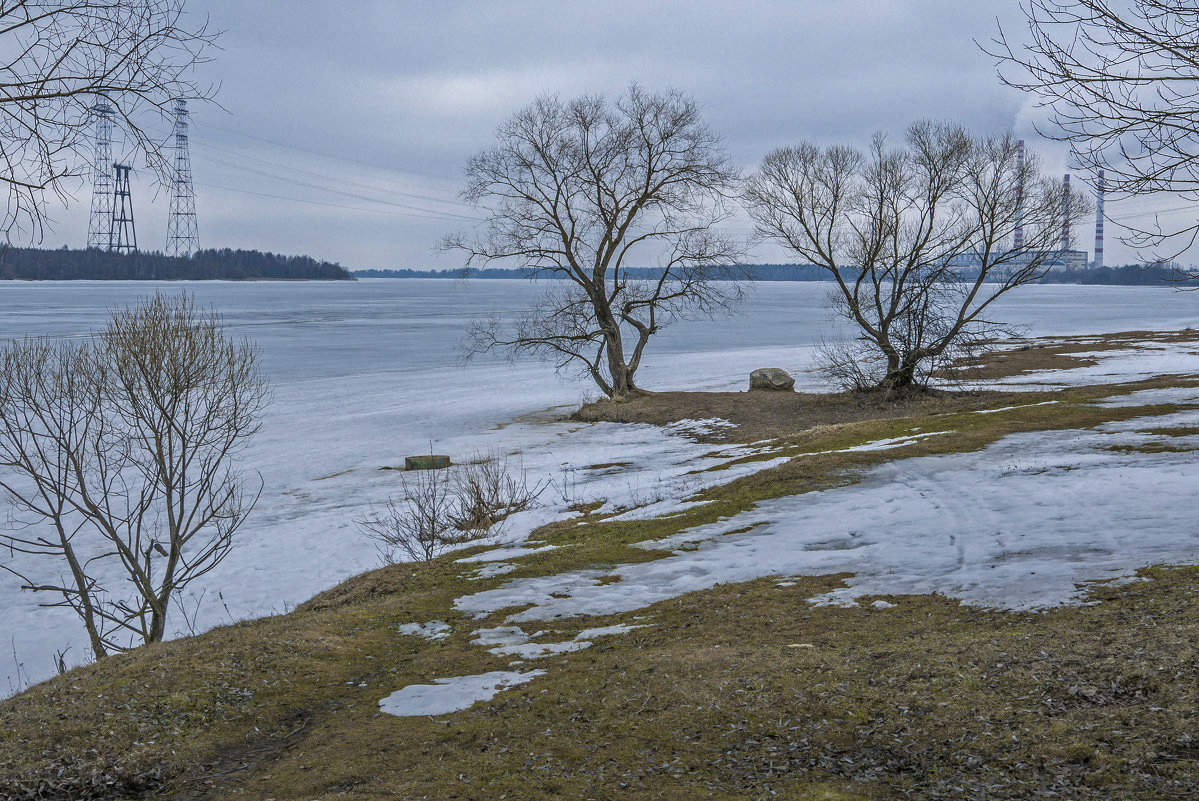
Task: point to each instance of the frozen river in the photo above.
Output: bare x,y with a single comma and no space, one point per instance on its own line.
365,373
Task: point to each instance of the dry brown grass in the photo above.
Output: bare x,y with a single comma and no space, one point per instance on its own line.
761,414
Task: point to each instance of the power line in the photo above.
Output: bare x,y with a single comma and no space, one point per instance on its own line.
324,176
374,166
325,204
353,195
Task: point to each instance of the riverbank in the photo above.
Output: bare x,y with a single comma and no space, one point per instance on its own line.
850,618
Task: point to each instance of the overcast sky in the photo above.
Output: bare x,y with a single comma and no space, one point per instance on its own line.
345,126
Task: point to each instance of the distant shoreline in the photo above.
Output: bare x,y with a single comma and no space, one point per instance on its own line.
34,264
1126,275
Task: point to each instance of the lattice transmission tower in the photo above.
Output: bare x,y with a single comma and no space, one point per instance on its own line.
123,237
99,229
183,231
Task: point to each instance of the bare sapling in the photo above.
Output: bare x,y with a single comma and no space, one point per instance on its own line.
120,459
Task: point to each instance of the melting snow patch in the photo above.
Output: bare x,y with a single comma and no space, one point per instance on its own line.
537,650
502,635
1010,408
1153,397
882,605
1021,524
452,695
500,554
433,630
489,571
700,427
608,631
512,641
882,444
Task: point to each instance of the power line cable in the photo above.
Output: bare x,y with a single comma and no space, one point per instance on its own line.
353,195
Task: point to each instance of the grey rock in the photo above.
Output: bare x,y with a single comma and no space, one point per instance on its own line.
771,378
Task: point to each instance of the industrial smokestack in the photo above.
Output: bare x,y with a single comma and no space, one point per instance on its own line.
1018,237
1065,213
1099,189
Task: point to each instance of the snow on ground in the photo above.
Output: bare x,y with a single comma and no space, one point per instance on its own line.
453,694
1147,360
433,630
1021,524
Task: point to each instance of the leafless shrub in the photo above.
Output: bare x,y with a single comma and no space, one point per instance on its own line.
443,508
849,365
420,524
487,491
118,457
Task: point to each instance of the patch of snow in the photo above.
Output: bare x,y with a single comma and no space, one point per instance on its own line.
1153,397
700,427
538,650
453,694
882,605
1146,361
608,631
892,442
433,630
501,635
1010,408
500,554
492,570
1020,524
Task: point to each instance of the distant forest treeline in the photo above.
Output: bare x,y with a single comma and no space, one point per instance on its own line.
1127,275
32,264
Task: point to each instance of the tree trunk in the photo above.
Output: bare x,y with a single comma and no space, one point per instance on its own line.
900,376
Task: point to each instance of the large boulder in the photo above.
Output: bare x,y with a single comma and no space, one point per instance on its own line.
771,378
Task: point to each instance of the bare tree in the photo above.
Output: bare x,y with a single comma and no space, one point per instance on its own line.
118,455
577,190
918,240
60,59
1121,82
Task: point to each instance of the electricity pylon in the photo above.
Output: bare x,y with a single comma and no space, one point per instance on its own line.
183,231
99,229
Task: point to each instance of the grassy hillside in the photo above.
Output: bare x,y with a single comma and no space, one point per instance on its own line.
741,691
